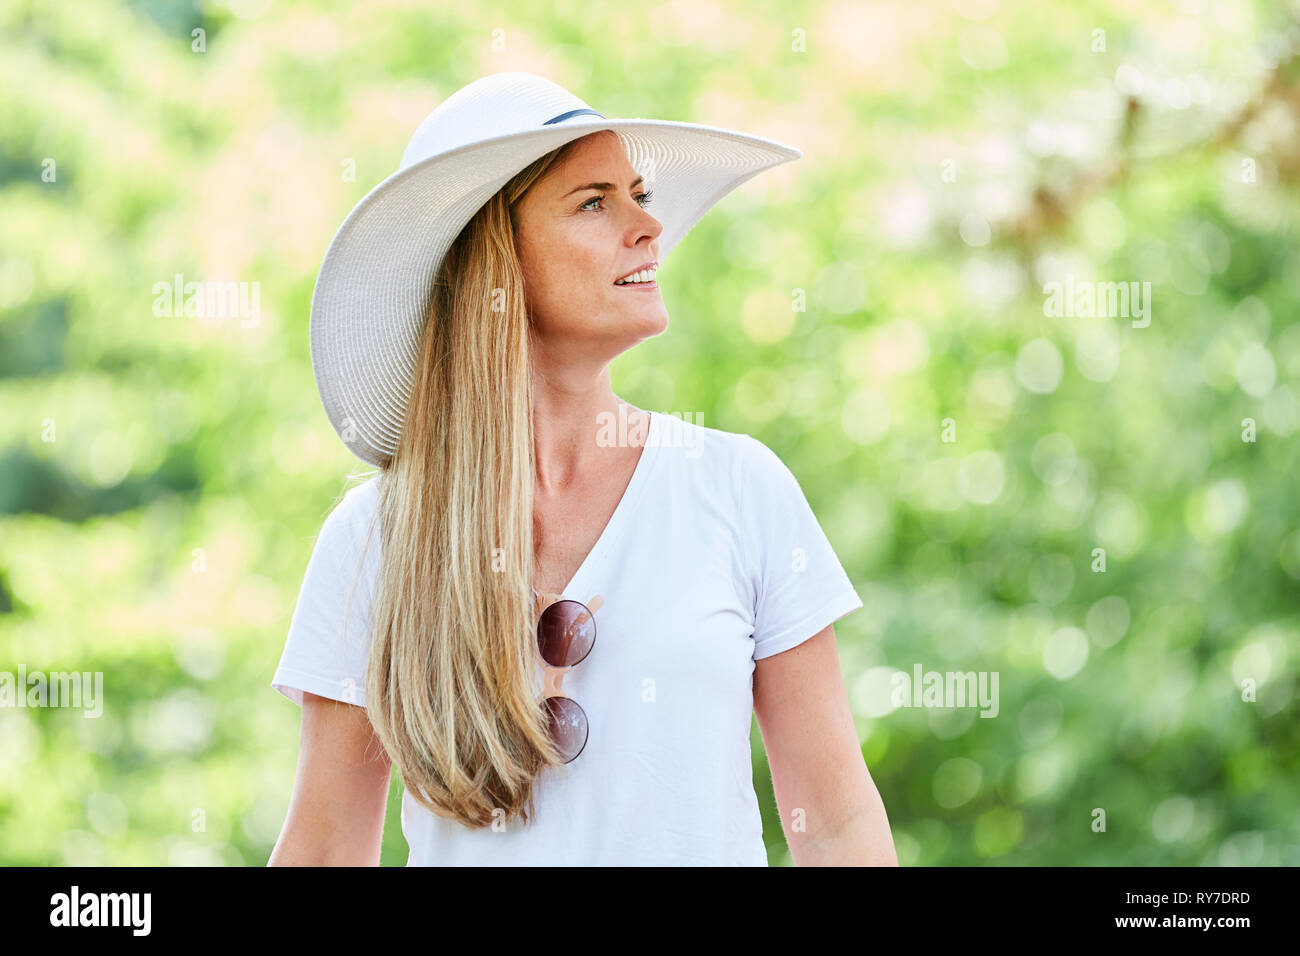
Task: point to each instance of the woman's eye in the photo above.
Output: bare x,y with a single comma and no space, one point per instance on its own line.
643,199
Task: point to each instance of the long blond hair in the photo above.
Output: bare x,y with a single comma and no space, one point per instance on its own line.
453,688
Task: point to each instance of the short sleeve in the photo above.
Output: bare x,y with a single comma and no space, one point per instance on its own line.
328,644
798,584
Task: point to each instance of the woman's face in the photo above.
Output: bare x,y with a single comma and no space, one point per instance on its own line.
575,239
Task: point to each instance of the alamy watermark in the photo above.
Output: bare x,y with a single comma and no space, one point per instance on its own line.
1099,300
82,689
679,430
946,689
210,299
75,908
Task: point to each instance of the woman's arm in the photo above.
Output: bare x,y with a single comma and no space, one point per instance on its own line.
340,792
830,809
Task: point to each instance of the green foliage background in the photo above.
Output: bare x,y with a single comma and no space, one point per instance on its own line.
162,478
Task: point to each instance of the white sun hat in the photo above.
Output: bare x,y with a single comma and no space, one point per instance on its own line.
371,297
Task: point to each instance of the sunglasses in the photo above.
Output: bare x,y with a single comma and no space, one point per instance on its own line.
566,633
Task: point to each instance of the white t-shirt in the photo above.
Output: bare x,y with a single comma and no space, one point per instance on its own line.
712,560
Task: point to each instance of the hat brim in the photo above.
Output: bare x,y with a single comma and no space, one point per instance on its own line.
370,301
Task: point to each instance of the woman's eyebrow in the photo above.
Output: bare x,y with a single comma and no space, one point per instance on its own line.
578,189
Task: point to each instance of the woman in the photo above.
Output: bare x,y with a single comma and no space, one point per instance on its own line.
448,618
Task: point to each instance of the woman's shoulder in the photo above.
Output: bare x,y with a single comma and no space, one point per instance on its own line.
761,472
352,513
734,464
363,495
695,440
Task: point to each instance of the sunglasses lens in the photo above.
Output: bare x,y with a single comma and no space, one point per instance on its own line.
568,727
565,633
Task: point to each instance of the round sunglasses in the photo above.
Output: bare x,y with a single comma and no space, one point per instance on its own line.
566,633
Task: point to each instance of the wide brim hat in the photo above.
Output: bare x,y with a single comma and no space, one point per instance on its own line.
371,297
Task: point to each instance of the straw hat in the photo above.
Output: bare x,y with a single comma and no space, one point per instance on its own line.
371,297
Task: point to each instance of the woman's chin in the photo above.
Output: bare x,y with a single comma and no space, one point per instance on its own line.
651,322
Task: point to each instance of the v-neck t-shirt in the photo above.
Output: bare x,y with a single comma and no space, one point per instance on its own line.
711,561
